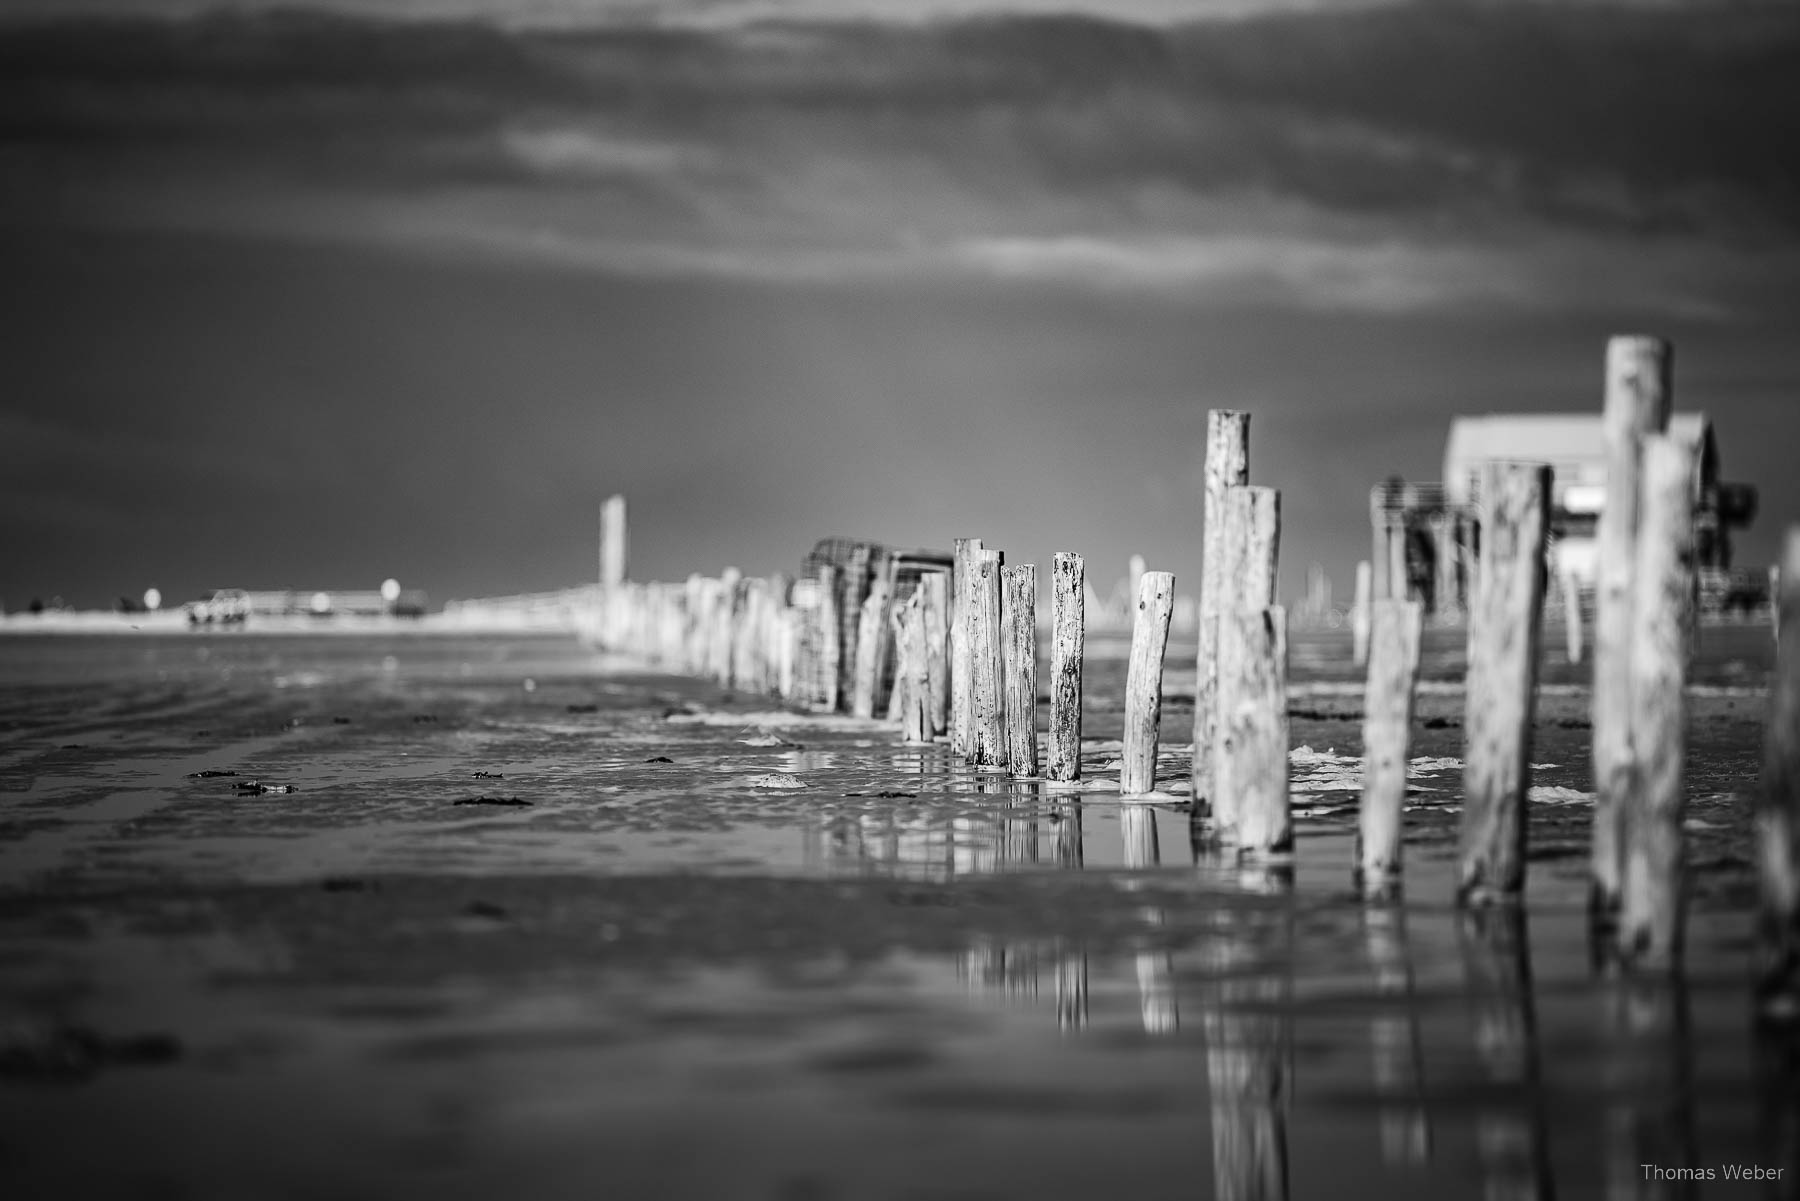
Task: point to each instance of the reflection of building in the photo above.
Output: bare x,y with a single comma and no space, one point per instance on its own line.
1426,536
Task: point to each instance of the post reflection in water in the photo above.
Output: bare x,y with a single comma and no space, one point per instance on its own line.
1155,969
1510,1136
1394,1040
1071,961
1248,1026
1649,1113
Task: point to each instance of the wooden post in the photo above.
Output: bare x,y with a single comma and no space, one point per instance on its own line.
912,675
1359,615
1018,618
1227,465
1143,682
1250,747
869,646
1443,576
1067,585
825,631
1637,403
1502,683
962,666
987,701
935,589
1571,597
1778,810
897,699
612,542
1651,903
1396,627
1248,556
1399,574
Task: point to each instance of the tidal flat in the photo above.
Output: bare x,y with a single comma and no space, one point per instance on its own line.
462,916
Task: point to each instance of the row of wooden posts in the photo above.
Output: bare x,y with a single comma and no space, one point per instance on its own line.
966,669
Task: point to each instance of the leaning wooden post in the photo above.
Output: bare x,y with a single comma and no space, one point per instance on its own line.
1143,682
1651,904
1018,617
1227,465
987,700
1395,630
1637,403
1251,744
1501,691
1249,552
1778,809
1067,584
1359,615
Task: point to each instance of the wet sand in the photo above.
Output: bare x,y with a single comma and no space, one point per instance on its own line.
533,925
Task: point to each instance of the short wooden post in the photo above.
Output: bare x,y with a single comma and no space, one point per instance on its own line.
1395,630
1248,556
1018,617
936,609
1251,744
1359,615
987,701
1501,692
825,634
1067,585
962,665
1227,465
1778,809
1652,902
1636,404
869,644
1143,682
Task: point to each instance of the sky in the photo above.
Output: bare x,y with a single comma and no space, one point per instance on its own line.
313,294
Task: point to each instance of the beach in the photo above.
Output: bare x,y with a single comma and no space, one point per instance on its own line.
469,916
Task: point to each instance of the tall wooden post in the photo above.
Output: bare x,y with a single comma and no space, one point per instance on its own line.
1067,580
1651,909
1502,684
962,666
1143,683
1637,404
987,704
1387,732
1227,465
1249,553
1018,619
612,542
1778,808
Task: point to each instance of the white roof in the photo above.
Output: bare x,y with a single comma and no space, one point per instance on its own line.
1574,444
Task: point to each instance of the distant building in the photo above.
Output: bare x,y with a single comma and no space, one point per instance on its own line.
1426,535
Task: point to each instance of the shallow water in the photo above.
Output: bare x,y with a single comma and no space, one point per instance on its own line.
798,960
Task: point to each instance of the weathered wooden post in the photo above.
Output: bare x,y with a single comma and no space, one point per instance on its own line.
1068,625
962,665
1249,551
1653,896
1636,404
1501,691
1143,683
1359,615
1778,810
987,702
1227,465
869,643
935,589
1252,807
1396,627
1018,617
